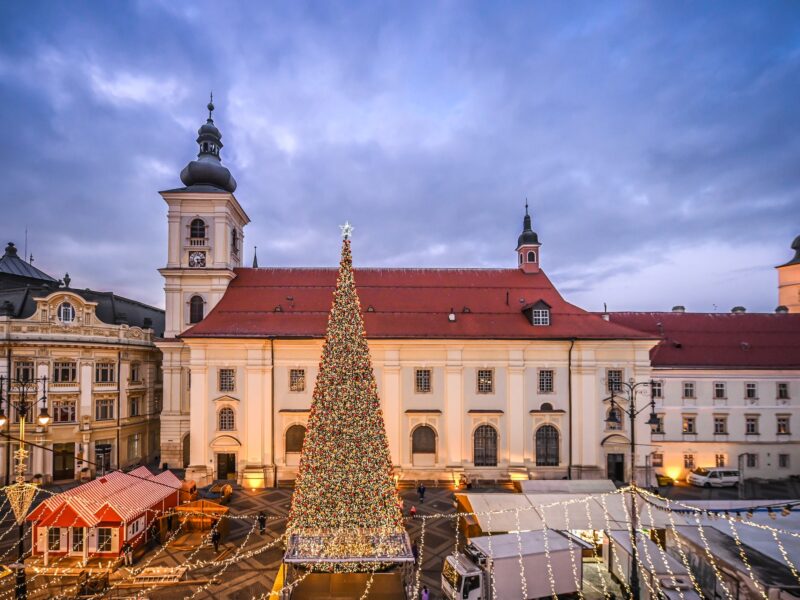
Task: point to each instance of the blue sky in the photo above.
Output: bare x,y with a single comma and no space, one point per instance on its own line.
657,143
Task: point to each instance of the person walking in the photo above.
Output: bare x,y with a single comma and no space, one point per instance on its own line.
421,492
215,536
262,522
424,594
413,511
127,554
415,551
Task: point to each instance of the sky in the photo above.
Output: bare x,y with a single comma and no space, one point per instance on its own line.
656,142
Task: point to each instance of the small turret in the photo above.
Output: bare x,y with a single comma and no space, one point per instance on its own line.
528,246
789,280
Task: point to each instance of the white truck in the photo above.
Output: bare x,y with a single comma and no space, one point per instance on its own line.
468,575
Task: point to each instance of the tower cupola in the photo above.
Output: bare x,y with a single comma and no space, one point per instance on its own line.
528,246
207,170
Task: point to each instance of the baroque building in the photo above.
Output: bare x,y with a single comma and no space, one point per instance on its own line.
103,373
489,373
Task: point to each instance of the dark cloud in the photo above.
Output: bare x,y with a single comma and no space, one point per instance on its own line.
656,142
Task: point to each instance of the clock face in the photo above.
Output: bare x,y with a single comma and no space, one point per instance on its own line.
197,259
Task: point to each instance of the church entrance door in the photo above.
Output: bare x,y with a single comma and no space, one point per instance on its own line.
616,467
226,465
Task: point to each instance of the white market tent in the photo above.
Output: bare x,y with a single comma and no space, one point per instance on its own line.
498,513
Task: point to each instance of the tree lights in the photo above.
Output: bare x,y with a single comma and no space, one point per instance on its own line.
345,504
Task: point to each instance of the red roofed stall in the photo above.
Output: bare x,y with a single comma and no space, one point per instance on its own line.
95,519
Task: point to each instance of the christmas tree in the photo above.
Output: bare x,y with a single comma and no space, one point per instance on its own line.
345,504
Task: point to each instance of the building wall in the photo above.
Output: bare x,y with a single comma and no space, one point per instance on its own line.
44,341
767,445
453,408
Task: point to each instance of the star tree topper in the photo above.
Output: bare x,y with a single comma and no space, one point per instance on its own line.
347,230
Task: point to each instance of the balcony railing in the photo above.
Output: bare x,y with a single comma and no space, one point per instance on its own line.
63,385
197,242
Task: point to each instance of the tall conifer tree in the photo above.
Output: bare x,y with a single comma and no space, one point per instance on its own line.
345,476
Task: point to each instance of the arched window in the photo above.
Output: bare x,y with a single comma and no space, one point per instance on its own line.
616,423
531,256
66,312
295,436
197,229
546,407
234,241
196,309
227,420
485,446
547,446
423,440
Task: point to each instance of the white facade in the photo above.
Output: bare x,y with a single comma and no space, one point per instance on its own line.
721,407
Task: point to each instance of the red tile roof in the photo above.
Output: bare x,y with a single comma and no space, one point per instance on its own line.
406,303
720,340
114,497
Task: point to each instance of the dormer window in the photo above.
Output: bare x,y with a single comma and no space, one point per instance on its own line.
541,316
66,312
538,313
531,256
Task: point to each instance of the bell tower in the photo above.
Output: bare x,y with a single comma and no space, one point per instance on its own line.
204,246
528,246
205,240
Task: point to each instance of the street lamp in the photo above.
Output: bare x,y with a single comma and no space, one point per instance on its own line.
20,494
629,389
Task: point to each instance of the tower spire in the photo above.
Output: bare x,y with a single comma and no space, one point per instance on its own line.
528,245
208,170
210,106
255,257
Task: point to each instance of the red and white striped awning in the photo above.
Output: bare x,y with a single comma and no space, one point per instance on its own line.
114,499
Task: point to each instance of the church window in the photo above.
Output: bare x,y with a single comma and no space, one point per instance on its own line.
485,446
423,440
614,380
227,380
614,423
545,381
66,312
227,421
235,241
531,256
485,381
541,316
297,380
295,436
196,309
197,229
547,443
422,381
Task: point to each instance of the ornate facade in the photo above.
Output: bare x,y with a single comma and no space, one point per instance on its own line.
103,373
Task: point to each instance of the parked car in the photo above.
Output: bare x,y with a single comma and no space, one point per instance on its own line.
713,477
663,480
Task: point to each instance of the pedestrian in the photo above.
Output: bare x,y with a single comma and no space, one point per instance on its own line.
415,551
421,492
215,539
127,554
413,511
262,522
425,594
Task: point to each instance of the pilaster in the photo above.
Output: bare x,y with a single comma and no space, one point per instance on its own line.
454,411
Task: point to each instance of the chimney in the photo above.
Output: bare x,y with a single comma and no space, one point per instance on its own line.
678,309
781,310
738,310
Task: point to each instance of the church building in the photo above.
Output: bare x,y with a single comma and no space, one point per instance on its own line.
488,373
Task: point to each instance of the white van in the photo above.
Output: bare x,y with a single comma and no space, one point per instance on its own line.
713,477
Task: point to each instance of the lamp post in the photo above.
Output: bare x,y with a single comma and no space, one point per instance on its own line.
20,491
629,389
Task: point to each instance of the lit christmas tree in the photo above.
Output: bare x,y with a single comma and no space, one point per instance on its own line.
345,504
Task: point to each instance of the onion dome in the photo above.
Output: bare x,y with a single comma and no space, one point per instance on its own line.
528,235
796,258
208,169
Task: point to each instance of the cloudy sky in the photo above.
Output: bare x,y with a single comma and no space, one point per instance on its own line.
657,143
